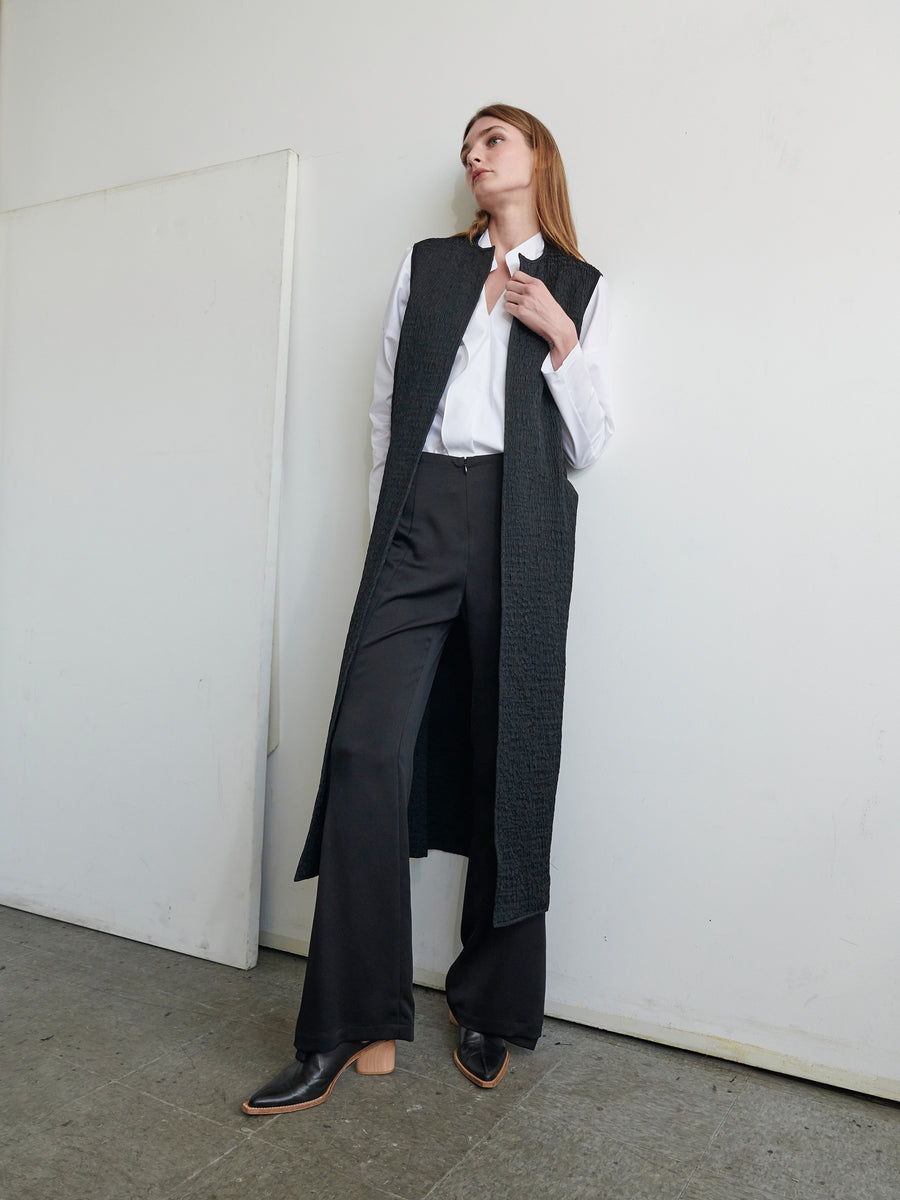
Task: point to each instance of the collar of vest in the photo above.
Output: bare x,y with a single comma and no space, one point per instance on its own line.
540,267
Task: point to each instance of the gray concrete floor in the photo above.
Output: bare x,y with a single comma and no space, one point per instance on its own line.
124,1066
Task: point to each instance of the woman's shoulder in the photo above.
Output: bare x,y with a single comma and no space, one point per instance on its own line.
455,246
568,275
448,254
577,264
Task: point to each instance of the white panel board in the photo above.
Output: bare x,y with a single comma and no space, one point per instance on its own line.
144,372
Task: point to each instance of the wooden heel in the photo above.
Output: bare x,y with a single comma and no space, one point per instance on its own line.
377,1059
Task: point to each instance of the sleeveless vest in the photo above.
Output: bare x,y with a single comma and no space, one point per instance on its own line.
537,552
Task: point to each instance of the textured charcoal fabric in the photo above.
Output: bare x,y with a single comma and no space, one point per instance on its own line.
537,552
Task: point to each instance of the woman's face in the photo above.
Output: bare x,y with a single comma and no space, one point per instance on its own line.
499,162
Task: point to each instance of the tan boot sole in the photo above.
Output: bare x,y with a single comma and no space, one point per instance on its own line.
484,1083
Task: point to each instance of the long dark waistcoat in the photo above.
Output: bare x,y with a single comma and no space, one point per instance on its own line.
537,551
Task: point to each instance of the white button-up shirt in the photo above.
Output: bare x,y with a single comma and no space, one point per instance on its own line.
470,416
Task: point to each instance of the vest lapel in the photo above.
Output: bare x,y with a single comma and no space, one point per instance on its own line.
442,300
527,349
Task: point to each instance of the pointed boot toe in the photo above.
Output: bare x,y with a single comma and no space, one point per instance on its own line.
481,1057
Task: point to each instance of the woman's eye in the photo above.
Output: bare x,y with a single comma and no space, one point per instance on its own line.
495,138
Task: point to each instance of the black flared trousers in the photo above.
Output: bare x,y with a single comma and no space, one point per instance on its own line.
442,566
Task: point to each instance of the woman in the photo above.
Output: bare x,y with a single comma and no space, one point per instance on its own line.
446,725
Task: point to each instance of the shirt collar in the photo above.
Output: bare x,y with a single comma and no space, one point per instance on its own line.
533,248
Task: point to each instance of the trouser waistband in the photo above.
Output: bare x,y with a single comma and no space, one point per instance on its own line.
479,462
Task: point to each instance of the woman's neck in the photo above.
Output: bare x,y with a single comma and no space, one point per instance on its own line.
510,228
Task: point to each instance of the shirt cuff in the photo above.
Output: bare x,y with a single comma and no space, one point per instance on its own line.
586,425
564,367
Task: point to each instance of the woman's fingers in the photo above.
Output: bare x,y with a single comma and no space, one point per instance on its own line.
526,285
529,300
528,295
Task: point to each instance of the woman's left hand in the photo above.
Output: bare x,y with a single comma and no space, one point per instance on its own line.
529,300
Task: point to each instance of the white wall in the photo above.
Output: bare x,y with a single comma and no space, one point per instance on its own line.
723,874
144,352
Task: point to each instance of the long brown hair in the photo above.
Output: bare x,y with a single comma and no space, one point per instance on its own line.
551,195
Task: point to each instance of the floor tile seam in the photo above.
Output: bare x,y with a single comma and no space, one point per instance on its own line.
233,1024
260,1124
294,1152
11,936
7,944
238,1134
169,1000
672,1166
160,999
40,1124
62,1057
179,1192
289,989
301,1152
515,1107
750,1189
372,1186
140,1067
265,1022
704,1157
148,1062
450,1083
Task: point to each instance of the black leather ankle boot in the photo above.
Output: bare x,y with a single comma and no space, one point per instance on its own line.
309,1080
